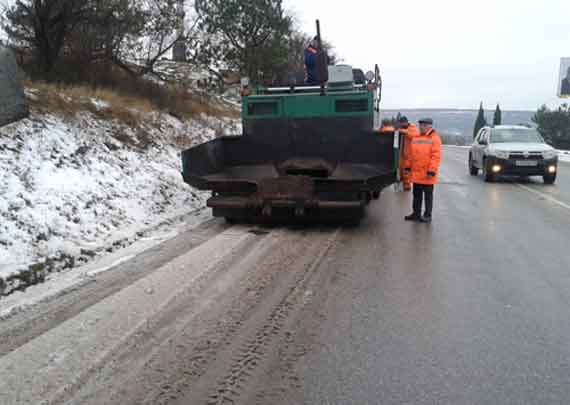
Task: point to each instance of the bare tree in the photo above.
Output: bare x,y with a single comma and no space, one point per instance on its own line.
132,34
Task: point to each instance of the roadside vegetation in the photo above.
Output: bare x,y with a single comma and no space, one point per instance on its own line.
118,46
128,107
554,125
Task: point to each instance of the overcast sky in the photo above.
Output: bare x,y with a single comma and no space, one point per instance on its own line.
450,53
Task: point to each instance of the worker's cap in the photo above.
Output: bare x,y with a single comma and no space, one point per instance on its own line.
427,121
403,119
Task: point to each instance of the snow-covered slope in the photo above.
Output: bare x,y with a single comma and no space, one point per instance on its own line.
75,187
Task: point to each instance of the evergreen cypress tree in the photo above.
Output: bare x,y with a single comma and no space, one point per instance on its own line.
480,122
498,116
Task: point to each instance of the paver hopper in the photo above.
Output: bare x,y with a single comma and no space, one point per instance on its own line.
305,152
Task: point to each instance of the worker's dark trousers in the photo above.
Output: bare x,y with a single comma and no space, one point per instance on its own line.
421,190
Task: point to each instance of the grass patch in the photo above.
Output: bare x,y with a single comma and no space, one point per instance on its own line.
69,86
35,274
119,104
69,100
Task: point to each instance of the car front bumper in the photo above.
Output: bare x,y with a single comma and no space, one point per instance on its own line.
509,167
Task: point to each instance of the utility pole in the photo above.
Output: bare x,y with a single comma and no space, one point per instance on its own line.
179,49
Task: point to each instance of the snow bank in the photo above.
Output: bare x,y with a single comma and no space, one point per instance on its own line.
71,189
57,283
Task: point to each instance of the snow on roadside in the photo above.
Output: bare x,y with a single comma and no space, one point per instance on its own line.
99,104
57,283
74,188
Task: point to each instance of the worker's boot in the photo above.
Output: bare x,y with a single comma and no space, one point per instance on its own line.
413,217
426,219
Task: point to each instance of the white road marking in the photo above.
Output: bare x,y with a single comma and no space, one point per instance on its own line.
545,196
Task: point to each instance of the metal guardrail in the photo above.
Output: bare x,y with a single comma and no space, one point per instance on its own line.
281,88
307,89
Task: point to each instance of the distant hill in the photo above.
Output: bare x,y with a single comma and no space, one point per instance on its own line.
456,126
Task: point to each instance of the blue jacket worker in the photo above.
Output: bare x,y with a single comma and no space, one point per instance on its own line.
311,62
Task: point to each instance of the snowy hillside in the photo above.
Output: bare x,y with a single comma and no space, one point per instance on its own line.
74,186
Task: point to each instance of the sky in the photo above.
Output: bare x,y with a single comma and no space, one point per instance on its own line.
450,54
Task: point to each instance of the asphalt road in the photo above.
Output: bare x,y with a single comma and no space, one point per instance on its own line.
472,309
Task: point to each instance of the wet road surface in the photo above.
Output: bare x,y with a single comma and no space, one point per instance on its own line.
472,309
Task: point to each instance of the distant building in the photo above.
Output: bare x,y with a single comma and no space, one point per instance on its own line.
179,49
564,81
565,85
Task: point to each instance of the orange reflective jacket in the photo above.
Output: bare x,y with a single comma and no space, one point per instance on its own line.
387,128
425,156
408,133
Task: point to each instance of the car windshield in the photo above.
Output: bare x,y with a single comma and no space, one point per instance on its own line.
515,135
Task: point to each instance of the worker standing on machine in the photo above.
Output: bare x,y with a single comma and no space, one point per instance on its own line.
311,52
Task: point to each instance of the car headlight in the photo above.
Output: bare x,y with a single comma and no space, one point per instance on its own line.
498,154
549,154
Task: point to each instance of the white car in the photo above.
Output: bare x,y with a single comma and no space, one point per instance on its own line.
512,150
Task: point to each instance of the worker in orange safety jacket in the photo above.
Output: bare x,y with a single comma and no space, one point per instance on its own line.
387,127
408,131
423,166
